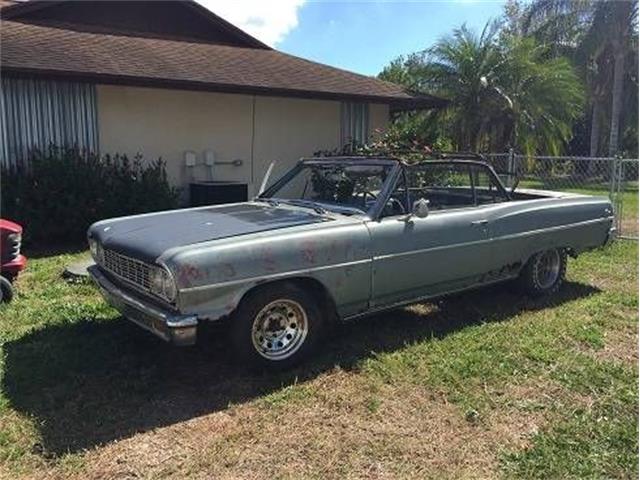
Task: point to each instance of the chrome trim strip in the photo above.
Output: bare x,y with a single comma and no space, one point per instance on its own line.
430,249
491,239
559,227
273,276
422,298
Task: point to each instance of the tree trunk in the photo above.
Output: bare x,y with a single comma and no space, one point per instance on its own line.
616,101
594,141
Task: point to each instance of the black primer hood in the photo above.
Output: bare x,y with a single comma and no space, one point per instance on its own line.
146,237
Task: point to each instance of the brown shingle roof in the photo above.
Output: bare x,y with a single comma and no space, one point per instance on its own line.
113,58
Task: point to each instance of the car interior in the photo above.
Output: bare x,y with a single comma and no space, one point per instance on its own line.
354,189
446,186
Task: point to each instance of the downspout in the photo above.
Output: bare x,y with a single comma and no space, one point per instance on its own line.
253,137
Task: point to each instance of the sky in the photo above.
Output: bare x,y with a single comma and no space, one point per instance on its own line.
361,36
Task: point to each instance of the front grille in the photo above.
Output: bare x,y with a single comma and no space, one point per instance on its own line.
11,248
127,268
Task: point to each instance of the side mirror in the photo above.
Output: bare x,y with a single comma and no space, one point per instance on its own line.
420,208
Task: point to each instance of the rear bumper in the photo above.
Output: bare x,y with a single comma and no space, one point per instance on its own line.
611,235
171,327
14,266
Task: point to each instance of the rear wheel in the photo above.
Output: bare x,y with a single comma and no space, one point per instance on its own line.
276,326
544,272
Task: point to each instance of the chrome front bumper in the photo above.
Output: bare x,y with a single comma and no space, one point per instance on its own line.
177,329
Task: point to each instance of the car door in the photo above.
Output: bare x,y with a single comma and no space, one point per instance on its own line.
448,250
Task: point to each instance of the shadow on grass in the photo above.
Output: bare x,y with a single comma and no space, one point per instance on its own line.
34,251
92,381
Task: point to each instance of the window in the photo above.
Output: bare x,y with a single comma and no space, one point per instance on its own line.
354,123
397,202
445,186
342,187
487,189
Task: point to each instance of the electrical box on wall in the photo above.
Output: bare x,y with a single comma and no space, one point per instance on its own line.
209,158
189,159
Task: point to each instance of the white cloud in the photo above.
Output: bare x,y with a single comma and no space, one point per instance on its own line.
268,21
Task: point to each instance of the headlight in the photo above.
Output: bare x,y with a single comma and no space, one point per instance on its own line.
96,250
162,283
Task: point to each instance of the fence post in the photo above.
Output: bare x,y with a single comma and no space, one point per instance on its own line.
511,167
612,183
615,193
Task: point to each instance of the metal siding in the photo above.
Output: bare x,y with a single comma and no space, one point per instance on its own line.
354,124
37,113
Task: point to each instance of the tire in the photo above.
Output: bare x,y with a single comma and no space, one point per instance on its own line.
276,327
544,272
6,290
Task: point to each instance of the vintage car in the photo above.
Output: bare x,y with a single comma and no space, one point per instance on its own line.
334,239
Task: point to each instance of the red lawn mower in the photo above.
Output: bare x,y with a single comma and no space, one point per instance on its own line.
11,261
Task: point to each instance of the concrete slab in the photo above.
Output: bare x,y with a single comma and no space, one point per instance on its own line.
77,271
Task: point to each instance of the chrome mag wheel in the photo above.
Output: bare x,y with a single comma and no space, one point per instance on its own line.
279,329
547,268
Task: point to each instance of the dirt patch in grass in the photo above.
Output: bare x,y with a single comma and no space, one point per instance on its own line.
620,346
342,426
629,226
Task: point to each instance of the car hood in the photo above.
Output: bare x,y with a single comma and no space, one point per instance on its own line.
146,237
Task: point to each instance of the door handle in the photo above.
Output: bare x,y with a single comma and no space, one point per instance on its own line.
481,223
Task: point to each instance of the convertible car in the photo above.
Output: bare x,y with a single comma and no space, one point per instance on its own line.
333,239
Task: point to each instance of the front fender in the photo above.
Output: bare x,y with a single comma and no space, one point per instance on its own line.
212,278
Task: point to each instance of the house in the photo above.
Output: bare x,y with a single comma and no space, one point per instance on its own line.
172,80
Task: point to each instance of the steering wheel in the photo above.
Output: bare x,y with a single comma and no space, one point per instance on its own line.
393,207
365,194
397,204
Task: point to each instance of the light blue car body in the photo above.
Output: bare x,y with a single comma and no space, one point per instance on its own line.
358,264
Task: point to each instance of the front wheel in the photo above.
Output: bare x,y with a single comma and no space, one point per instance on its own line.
544,272
276,326
6,290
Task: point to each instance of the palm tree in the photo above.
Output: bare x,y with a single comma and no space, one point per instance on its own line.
462,68
545,97
504,91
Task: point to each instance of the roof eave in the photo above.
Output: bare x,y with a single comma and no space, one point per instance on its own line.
395,103
13,12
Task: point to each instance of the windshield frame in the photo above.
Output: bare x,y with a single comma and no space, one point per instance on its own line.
385,191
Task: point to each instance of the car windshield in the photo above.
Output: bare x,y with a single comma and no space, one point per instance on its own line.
345,188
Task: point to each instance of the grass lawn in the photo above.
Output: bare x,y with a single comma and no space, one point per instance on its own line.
481,385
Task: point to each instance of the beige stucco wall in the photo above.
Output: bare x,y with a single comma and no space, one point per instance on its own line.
289,128
166,123
257,130
378,118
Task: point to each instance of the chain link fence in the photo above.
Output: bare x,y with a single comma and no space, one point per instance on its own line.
616,178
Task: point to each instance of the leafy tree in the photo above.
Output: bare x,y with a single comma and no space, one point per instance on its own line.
601,39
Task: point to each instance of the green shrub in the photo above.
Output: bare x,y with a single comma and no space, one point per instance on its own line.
59,192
